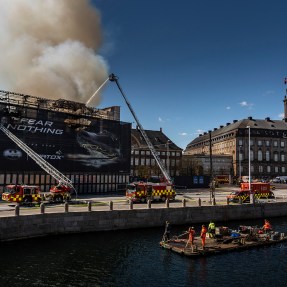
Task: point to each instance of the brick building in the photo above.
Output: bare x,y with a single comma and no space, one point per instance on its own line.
143,163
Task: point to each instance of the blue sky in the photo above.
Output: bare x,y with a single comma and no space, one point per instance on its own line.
190,66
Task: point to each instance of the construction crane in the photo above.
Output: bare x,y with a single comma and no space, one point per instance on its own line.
61,178
114,78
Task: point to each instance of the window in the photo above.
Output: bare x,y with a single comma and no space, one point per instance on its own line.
282,157
267,143
275,156
260,157
259,143
275,143
268,168
267,155
283,169
282,144
260,168
240,142
251,155
252,168
276,169
251,142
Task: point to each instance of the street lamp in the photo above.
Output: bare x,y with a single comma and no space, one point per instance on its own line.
249,159
240,155
211,167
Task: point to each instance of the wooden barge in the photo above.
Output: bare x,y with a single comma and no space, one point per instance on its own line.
221,244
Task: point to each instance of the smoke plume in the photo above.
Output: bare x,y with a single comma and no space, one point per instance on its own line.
49,49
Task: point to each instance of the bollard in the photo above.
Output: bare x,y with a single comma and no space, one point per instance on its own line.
89,206
167,203
184,202
131,204
252,199
42,208
227,201
111,205
240,200
17,210
149,203
66,204
199,202
213,201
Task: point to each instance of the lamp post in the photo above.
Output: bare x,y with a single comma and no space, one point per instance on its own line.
249,159
240,155
211,168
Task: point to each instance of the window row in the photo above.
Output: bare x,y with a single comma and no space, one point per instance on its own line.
275,143
147,152
268,169
276,156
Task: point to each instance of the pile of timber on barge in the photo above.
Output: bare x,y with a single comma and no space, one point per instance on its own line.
226,242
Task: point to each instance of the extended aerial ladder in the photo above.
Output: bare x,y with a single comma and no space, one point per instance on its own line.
61,178
114,78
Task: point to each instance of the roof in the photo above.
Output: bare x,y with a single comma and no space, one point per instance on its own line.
158,139
267,123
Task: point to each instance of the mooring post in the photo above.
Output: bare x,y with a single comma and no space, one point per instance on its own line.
213,201
183,202
167,203
149,203
17,210
42,208
89,206
131,204
66,204
111,205
199,201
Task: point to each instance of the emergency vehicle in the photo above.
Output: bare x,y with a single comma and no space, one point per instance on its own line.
143,191
58,193
259,189
21,193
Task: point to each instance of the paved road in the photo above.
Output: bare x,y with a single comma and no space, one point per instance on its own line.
102,202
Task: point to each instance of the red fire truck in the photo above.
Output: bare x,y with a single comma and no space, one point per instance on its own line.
143,191
259,189
21,193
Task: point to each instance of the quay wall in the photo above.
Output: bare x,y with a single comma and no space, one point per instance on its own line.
36,225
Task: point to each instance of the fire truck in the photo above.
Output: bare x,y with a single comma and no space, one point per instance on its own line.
143,191
24,193
21,193
259,189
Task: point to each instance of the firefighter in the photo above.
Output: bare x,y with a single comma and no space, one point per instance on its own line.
211,229
191,235
203,235
267,226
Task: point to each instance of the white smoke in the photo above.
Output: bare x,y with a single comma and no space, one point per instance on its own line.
49,49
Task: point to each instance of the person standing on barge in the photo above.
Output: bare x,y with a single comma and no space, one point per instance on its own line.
203,235
191,235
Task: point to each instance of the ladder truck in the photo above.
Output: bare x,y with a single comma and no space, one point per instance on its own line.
58,193
139,191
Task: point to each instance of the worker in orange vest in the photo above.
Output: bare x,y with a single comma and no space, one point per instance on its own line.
191,235
203,235
267,226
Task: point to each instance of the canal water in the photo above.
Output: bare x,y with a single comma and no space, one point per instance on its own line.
134,258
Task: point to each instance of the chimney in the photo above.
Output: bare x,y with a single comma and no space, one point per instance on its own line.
249,118
267,119
160,129
235,121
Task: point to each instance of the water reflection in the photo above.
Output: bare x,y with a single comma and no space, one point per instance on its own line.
134,258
